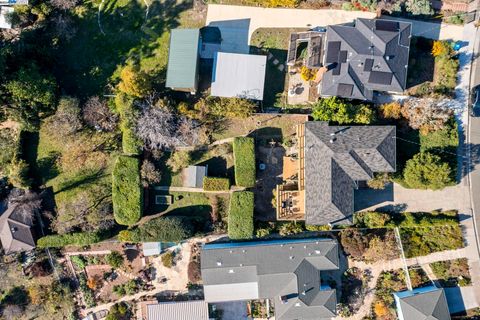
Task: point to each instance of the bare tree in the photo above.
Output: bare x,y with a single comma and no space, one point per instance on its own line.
64,4
64,26
150,175
97,115
66,120
426,114
11,312
159,128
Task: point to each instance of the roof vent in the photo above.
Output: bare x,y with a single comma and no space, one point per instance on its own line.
13,229
219,263
304,247
387,58
244,250
231,271
291,257
332,140
241,264
291,247
231,251
297,304
317,251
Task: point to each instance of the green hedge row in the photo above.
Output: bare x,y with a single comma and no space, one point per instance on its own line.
406,219
62,240
240,215
216,184
127,191
168,229
244,154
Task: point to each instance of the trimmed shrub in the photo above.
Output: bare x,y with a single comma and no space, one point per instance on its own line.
240,215
244,154
167,259
427,171
168,229
127,191
216,184
62,240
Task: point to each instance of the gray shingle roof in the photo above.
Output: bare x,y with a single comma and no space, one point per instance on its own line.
335,158
15,232
422,304
377,58
271,269
193,176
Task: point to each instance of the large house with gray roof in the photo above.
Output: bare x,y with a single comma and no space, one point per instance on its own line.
372,55
16,230
336,159
288,271
422,303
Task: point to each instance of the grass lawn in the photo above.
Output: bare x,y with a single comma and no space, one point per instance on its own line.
262,127
218,158
85,64
191,204
273,41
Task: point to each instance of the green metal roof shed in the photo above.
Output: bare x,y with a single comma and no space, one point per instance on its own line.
182,69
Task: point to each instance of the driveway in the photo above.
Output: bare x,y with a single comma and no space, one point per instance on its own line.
460,299
258,17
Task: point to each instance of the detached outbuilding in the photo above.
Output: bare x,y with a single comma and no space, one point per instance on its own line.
183,58
238,75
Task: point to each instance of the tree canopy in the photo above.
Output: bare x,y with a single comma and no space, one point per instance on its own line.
427,171
342,112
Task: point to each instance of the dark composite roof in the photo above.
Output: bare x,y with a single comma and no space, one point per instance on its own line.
15,230
288,268
376,58
423,303
335,158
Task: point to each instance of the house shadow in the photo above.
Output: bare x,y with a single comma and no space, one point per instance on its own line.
455,301
367,197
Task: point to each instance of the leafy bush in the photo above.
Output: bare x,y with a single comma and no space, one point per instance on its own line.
240,215
447,68
370,5
342,112
419,7
244,154
369,246
392,110
441,48
426,240
379,181
167,259
371,219
283,3
442,138
119,311
167,229
307,74
427,171
127,191
114,259
325,227
87,292
216,184
79,262
18,174
452,272
9,144
62,240
290,228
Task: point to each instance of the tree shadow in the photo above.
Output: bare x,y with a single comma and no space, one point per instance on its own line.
421,62
469,164
366,198
85,63
80,180
274,74
47,166
217,167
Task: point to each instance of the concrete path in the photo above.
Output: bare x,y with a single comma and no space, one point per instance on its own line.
258,17
199,190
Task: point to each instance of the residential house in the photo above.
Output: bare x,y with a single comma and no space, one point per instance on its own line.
16,229
349,60
238,75
287,271
372,55
422,303
332,160
183,60
178,310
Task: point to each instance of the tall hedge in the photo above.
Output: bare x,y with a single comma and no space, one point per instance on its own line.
62,240
216,184
168,229
240,215
244,154
127,191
